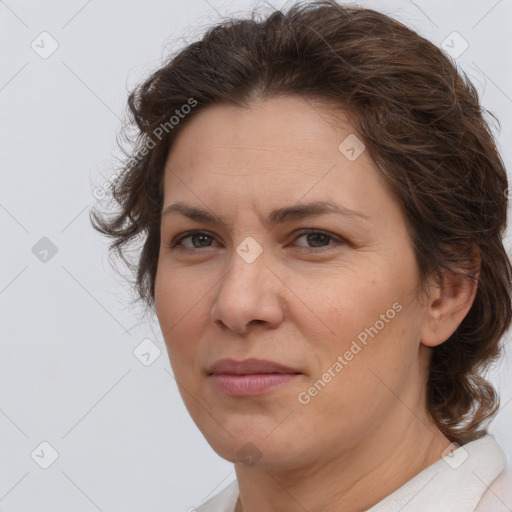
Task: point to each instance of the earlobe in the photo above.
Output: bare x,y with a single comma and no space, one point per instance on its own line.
447,306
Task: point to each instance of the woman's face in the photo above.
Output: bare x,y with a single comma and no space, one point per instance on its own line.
339,306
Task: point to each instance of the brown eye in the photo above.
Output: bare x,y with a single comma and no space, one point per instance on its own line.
318,239
199,239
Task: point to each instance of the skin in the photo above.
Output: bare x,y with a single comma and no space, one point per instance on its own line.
301,303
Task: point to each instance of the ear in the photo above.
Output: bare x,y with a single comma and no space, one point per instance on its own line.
448,304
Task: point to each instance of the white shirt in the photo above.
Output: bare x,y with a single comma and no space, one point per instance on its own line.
459,482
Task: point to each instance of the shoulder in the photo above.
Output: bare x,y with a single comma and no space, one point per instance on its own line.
498,496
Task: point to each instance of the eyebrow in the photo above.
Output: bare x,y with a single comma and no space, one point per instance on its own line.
278,216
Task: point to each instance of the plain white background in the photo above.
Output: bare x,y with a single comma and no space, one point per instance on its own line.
70,376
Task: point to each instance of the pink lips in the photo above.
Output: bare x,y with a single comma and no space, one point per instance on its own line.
249,377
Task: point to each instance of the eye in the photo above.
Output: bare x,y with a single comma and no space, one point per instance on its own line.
318,238
198,237
201,239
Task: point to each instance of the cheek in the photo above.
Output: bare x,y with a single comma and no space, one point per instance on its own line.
166,304
362,372
355,301
176,297
171,306
182,310
374,321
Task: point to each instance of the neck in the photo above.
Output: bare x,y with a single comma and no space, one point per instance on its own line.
353,479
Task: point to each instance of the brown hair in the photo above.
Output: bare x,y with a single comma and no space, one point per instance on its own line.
422,125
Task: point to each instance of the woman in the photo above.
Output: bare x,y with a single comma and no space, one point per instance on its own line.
322,208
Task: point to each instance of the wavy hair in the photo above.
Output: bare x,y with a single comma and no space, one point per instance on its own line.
422,124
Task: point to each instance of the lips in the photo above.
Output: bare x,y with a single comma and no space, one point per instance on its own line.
249,367
251,377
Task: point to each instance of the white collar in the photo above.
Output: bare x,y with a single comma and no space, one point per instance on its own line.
455,483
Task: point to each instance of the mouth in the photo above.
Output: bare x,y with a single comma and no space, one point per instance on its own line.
250,377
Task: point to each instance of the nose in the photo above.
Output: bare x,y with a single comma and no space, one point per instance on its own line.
249,294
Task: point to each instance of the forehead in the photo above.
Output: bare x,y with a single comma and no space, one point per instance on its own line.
273,127
279,151
289,133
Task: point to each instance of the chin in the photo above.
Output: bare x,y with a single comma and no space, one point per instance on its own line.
254,449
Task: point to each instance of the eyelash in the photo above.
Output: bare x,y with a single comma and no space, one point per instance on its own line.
175,243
